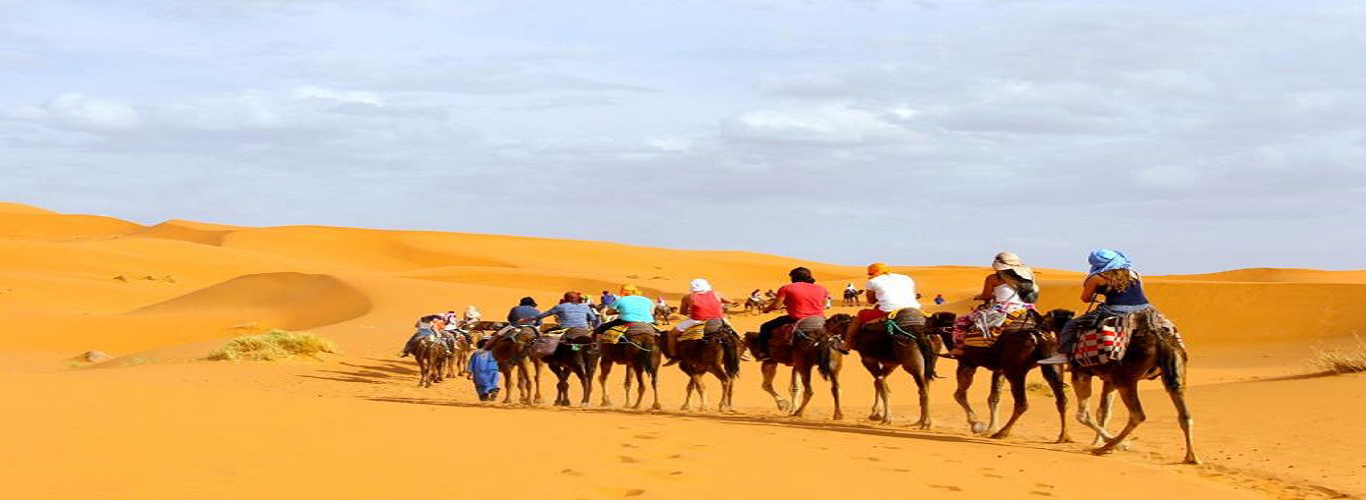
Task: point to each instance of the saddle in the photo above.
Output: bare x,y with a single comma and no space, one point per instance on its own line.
974,334
1108,340
700,331
616,334
544,345
782,337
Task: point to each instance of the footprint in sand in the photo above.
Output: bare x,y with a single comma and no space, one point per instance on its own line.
946,487
675,456
1041,493
633,492
571,472
627,460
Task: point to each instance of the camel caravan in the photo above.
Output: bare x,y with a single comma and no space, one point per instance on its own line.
1121,339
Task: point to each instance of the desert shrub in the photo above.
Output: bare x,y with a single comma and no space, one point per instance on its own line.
1345,359
273,345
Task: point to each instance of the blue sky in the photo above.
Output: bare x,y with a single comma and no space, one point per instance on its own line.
1195,137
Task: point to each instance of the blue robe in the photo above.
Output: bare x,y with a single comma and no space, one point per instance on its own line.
485,370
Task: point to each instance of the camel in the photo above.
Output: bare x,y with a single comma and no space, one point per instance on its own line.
512,349
430,353
754,304
1155,350
717,353
814,345
1011,357
576,354
883,348
663,313
851,297
635,346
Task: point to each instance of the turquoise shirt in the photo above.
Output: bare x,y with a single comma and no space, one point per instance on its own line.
635,309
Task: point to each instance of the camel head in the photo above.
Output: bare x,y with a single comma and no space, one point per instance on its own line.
1055,319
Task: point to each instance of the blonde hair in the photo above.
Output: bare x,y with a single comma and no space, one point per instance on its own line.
1120,280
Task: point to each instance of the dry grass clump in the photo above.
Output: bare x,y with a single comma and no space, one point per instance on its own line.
1346,359
273,345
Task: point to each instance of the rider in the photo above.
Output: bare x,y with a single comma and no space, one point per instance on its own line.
472,314
887,293
426,325
630,307
572,314
525,313
1111,276
1008,290
802,299
607,299
700,305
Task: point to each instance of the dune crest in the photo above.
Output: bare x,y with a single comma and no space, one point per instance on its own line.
295,301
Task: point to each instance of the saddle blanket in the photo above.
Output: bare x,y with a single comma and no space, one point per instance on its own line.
1102,345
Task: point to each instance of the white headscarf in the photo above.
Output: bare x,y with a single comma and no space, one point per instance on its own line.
699,285
472,312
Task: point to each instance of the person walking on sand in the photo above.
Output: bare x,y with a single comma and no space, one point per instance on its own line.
938,299
484,371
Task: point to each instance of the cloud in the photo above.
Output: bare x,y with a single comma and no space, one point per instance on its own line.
79,112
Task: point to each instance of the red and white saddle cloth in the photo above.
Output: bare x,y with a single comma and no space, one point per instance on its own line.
1110,339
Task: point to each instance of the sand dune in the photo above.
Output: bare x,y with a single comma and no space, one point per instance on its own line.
158,298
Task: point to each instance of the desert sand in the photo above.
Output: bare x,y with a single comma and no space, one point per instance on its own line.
158,420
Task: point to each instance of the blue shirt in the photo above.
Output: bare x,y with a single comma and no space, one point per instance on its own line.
635,309
571,315
608,299
524,312
485,371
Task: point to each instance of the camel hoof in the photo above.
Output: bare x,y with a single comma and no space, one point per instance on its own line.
1000,435
656,407
685,408
1193,460
783,405
1103,450
1063,439
979,428
837,416
875,417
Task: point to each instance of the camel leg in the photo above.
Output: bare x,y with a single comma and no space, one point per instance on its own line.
687,396
993,402
965,376
1081,385
604,370
524,383
922,384
727,389
792,389
630,370
805,373
508,382
702,391
886,394
770,370
1106,410
1017,393
654,384
1053,375
1128,392
835,393
1184,417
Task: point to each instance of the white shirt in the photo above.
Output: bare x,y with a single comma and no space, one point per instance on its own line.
893,291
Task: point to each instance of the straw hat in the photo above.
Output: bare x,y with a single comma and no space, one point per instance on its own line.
1009,261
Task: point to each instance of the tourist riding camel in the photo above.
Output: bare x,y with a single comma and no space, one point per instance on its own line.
472,315
572,315
700,305
630,307
426,325
801,299
891,295
1008,293
1113,278
525,313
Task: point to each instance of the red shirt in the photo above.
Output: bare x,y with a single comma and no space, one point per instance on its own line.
704,306
803,300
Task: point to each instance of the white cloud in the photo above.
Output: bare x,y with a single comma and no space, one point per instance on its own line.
80,112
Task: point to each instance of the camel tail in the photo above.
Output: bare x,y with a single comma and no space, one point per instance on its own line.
825,362
730,357
927,352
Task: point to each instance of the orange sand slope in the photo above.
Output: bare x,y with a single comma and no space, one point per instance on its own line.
158,298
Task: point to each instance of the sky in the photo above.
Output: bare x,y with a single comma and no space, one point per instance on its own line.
1193,136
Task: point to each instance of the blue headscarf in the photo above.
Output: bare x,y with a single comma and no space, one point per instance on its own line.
1105,259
